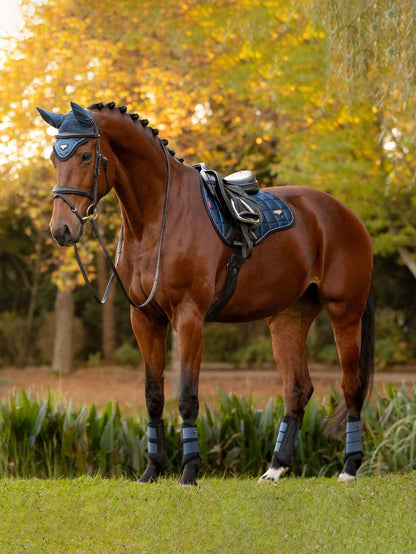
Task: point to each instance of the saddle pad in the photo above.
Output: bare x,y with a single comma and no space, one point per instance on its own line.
276,216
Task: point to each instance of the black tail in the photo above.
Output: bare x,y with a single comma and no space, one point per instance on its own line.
334,424
366,371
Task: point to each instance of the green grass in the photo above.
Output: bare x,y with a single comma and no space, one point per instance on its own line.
373,514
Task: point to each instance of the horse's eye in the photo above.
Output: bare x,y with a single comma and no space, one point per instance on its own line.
86,157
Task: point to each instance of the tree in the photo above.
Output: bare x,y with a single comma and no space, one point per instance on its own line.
235,85
373,60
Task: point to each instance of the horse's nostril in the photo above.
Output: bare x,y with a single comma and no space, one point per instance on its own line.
62,234
66,233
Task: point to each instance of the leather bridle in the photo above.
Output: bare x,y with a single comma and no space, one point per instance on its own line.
92,194
92,214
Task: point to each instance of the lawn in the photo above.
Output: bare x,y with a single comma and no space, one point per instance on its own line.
373,514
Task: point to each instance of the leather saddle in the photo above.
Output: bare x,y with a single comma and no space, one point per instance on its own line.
242,215
233,196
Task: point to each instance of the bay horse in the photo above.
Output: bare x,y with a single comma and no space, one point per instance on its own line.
173,267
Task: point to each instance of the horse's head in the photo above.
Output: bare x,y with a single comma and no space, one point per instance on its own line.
82,172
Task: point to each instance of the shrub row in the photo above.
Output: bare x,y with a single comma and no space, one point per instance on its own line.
44,438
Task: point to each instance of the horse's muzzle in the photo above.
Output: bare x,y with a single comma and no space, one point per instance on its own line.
64,234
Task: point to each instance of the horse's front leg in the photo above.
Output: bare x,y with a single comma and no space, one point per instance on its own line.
151,336
189,327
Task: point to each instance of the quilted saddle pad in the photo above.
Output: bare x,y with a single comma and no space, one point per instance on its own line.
277,216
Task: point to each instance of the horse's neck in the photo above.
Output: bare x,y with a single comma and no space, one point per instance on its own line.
141,180
141,187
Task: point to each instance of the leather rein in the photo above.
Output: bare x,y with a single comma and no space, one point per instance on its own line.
92,214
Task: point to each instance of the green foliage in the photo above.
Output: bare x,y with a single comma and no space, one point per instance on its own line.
221,341
391,346
12,331
372,58
256,353
390,425
127,354
44,438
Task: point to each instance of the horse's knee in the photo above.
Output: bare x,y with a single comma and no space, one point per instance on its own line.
297,397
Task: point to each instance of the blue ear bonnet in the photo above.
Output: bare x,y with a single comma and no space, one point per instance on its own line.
79,121
65,148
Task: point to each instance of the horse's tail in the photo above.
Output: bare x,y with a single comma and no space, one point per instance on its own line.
366,366
336,420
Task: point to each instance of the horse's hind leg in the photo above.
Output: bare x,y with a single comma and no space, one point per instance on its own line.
353,331
289,330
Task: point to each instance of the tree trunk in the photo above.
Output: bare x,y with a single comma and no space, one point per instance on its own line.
108,328
34,289
64,315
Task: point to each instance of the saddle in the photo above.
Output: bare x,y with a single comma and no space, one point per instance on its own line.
232,193
242,215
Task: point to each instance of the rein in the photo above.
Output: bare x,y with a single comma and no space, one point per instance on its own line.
92,214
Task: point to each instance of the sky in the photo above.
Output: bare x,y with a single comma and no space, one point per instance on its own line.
10,17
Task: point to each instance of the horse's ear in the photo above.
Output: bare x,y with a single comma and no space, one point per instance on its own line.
82,115
54,119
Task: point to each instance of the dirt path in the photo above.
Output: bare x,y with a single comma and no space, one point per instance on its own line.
126,385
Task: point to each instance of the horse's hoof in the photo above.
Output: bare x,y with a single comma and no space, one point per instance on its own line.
351,466
272,475
152,473
190,472
346,478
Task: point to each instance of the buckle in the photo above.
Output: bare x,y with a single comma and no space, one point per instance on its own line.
92,213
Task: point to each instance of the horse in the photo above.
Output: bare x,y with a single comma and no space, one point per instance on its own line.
172,265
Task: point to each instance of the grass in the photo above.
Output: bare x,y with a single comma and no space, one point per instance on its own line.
373,514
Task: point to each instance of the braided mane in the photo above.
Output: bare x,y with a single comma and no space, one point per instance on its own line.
135,117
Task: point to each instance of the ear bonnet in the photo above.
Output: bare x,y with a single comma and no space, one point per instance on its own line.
79,121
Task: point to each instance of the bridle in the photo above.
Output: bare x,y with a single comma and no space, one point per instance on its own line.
92,194
91,215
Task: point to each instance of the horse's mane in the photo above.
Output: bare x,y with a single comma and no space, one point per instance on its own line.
135,117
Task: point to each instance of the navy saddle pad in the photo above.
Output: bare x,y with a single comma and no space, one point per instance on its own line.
276,216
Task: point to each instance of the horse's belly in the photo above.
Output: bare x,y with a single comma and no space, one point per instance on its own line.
276,276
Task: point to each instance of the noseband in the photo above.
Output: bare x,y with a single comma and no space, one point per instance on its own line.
92,213
92,194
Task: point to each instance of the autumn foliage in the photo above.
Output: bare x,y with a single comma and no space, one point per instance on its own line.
258,85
